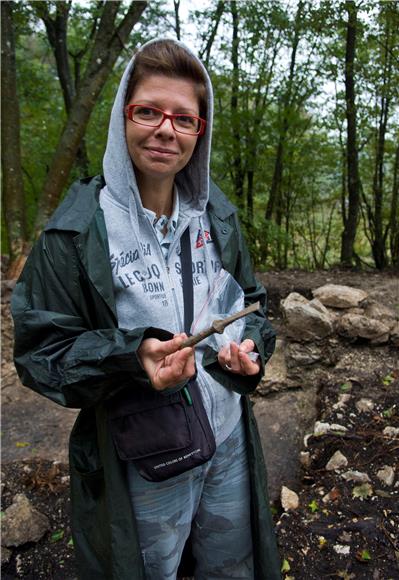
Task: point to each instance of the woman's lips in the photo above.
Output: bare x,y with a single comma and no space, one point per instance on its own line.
161,151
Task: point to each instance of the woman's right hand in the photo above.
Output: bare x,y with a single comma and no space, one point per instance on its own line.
164,363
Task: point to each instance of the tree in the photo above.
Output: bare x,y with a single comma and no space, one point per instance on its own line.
13,187
209,37
108,42
394,221
235,114
56,28
274,196
291,120
351,216
282,144
176,5
380,75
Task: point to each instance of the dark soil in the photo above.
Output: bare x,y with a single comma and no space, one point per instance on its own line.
46,485
369,527
307,536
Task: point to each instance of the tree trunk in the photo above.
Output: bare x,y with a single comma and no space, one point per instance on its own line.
206,52
176,4
275,202
275,189
350,226
380,237
276,180
108,44
13,186
56,29
378,246
235,117
394,222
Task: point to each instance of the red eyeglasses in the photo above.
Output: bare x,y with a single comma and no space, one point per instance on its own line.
153,117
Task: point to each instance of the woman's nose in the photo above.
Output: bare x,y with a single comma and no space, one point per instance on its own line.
166,127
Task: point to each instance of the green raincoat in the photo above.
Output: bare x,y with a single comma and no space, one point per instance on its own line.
68,347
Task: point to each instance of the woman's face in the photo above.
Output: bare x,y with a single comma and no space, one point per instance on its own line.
160,152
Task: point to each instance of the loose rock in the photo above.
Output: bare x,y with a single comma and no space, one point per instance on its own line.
343,550
321,428
386,475
338,296
304,458
276,372
289,499
22,523
332,495
306,320
364,405
358,326
337,461
303,354
391,431
356,476
382,313
342,400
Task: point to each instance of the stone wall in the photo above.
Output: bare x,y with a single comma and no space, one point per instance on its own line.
338,335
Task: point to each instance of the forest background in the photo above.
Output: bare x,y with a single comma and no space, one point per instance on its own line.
306,132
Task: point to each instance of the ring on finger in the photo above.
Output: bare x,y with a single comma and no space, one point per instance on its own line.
227,367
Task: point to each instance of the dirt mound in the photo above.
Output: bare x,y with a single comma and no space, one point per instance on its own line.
382,287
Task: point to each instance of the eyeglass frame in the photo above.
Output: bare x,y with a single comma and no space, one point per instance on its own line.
130,108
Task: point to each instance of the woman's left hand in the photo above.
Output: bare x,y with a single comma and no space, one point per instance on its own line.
234,358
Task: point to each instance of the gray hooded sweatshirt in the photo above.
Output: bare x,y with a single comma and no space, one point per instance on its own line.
148,286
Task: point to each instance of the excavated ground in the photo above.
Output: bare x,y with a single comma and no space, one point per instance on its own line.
353,534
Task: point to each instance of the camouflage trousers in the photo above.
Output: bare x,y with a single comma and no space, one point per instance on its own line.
212,502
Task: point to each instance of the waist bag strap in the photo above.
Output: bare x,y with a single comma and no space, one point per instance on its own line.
187,280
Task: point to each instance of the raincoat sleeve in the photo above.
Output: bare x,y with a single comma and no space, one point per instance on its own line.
58,351
257,327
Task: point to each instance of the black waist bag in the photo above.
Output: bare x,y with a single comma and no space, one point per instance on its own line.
164,434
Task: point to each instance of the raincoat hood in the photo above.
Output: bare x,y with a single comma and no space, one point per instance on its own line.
192,181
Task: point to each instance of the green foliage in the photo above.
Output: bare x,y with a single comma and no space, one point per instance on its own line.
388,379
42,115
364,556
345,387
389,413
299,108
57,536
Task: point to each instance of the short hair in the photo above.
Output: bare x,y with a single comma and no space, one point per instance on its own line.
167,58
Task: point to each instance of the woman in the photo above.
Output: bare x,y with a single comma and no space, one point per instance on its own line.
100,287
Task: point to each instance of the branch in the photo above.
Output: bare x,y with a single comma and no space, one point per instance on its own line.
207,49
